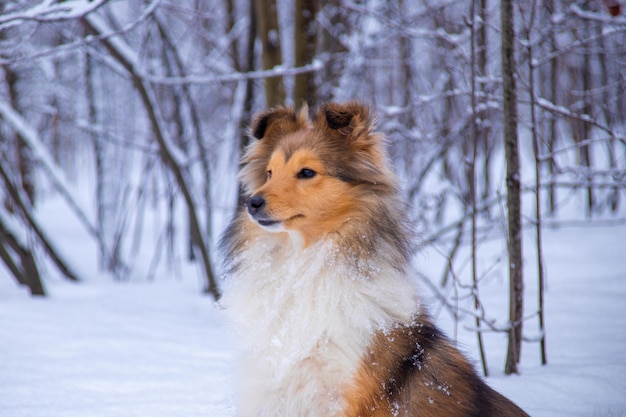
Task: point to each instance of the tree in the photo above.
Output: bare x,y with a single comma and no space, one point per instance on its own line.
333,26
24,268
305,39
477,64
127,59
513,187
156,102
266,13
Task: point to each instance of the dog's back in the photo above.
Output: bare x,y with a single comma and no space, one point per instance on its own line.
413,370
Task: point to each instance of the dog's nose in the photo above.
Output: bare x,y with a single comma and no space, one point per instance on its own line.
254,204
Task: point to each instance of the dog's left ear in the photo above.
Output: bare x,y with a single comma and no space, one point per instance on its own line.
352,121
277,122
359,151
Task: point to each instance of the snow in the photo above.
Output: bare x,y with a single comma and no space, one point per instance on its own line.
101,349
160,348
39,151
47,11
278,70
585,324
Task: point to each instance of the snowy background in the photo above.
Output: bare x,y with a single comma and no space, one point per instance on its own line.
160,348
119,119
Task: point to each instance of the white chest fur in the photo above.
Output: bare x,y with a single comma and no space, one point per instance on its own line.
304,319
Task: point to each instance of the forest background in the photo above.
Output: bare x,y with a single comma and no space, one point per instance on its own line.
134,115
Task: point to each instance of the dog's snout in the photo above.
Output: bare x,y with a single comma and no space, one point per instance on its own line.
254,204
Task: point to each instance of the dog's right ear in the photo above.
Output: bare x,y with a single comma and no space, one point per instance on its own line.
268,128
352,122
276,122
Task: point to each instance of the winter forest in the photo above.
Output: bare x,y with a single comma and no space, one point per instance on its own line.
501,117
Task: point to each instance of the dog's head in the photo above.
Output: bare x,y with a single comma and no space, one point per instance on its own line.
313,176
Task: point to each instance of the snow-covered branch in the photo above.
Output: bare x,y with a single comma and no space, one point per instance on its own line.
580,184
29,218
564,50
71,46
173,157
30,137
55,175
51,10
549,156
457,312
597,17
280,71
452,39
564,111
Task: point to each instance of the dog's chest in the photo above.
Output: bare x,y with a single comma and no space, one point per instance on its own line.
289,304
304,319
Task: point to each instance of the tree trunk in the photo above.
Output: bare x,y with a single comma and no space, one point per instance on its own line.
17,202
198,136
167,153
99,158
269,33
484,136
585,129
26,272
332,50
552,96
23,155
305,42
511,147
231,19
248,101
534,124
609,110
472,180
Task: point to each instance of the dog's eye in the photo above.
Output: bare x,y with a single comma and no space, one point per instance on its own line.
269,174
306,173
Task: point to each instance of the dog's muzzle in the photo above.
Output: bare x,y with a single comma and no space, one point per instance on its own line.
255,205
256,208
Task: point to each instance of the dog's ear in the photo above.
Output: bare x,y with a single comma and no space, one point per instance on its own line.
268,128
276,122
353,121
359,151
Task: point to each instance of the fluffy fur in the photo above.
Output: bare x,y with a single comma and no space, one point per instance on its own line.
318,260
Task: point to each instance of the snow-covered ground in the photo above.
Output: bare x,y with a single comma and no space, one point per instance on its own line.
160,348
105,349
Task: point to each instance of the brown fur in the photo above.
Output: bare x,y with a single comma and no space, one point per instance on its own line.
413,370
353,200
351,162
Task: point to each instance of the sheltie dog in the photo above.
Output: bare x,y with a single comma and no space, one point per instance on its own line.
318,281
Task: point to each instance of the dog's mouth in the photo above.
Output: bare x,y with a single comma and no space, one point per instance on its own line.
273,224
268,223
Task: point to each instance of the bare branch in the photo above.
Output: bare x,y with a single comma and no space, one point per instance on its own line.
28,134
51,11
279,71
173,157
564,111
71,46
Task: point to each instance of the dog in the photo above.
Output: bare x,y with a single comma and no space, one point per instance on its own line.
318,281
